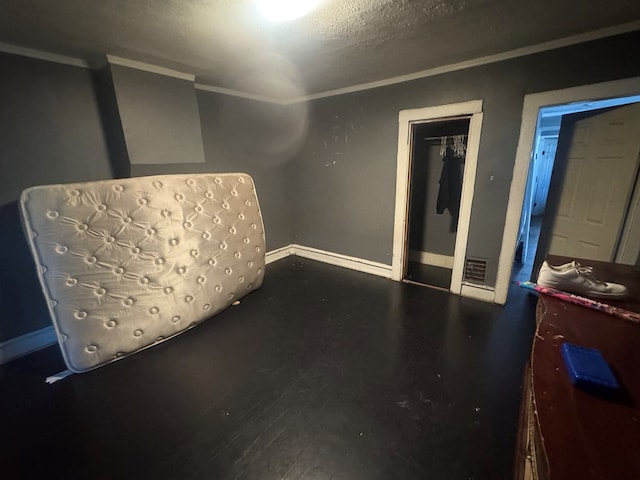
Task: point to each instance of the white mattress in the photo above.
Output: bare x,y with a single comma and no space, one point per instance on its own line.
125,264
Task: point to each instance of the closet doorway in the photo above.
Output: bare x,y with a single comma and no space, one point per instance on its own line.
429,248
438,151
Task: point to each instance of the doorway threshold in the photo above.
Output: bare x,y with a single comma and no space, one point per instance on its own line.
434,287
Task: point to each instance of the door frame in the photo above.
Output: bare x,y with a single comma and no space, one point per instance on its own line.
406,119
531,106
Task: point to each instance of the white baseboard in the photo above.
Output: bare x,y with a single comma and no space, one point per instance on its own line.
277,254
353,263
479,293
27,343
430,258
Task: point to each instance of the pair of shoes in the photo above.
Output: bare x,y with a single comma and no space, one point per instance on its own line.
574,278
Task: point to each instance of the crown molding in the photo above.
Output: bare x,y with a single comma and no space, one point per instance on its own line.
42,55
499,57
148,67
237,93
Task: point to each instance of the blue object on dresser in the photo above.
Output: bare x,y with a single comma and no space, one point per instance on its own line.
588,369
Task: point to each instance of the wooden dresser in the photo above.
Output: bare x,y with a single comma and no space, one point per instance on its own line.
565,433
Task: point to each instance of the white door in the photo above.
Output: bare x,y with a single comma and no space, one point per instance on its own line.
600,151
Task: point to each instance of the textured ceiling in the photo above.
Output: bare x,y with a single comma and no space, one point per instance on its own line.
341,43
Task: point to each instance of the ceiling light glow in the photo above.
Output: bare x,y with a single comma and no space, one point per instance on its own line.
284,10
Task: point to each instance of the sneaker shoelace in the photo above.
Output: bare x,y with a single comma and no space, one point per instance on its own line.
587,272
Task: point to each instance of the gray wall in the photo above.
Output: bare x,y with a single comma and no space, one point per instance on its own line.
50,132
246,136
159,116
345,174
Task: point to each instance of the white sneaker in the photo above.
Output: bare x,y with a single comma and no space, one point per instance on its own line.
574,278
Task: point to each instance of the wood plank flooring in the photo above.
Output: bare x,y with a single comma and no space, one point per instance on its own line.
323,373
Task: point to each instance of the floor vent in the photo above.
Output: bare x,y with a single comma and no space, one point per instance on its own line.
475,270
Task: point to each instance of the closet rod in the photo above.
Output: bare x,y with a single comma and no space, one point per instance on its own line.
448,136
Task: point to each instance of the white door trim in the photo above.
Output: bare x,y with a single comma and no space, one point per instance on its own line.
403,171
629,247
532,104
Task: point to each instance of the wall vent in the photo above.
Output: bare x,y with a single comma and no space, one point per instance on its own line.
475,270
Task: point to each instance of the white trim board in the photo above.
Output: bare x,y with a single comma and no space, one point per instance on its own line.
42,55
406,118
477,292
430,258
630,240
531,106
147,67
239,94
277,254
26,344
499,57
337,259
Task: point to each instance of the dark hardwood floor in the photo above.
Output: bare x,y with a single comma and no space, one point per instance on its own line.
323,373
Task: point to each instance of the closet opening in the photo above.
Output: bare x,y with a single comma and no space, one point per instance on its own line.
437,162
417,128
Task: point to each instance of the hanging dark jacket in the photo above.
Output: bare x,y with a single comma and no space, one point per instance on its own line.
450,184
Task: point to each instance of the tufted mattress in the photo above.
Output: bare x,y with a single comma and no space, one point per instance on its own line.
125,264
